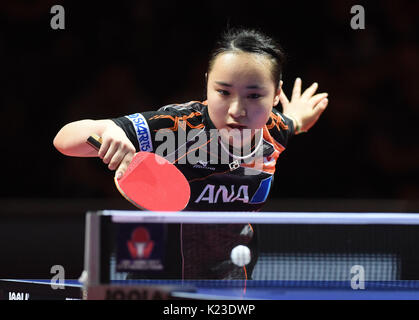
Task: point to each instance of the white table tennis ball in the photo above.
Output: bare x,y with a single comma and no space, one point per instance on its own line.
240,255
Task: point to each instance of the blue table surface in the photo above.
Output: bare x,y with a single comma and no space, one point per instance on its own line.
276,290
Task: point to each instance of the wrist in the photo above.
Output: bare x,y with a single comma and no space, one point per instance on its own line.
297,125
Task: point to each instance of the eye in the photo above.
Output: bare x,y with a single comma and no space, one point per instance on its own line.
254,96
223,92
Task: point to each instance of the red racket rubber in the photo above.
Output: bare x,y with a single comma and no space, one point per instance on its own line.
151,182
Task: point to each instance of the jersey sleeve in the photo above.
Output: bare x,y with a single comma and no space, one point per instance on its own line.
141,128
280,127
137,130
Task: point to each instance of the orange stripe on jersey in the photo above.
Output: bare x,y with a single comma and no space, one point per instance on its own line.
176,120
261,167
276,121
267,137
268,164
191,102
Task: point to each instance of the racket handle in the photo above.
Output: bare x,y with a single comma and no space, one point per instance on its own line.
95,141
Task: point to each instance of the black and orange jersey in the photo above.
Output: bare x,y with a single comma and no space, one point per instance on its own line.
183,134
219,181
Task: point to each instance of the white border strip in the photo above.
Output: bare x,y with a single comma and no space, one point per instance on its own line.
264,217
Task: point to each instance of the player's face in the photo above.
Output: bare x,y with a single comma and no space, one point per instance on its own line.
241,94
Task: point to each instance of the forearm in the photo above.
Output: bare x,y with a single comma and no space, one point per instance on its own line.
71,139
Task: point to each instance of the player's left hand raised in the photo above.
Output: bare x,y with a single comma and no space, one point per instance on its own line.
304,108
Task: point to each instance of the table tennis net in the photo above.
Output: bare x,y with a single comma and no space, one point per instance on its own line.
291,253
307,267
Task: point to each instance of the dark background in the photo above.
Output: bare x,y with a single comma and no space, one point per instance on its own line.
120,57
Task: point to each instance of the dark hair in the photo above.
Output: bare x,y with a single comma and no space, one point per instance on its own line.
250,41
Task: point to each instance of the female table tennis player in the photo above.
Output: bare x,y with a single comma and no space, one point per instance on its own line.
243,89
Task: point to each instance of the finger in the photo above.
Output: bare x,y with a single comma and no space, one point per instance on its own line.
321,106
116,159
123,165
296,91
318,98
310,91
123,152
103,148
283,98
110,152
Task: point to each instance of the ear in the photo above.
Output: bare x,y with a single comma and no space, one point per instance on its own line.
277,94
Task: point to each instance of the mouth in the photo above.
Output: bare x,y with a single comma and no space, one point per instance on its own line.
236,126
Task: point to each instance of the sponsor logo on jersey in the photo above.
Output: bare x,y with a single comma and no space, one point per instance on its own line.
262,192
214,194
203,165
227,194
142,130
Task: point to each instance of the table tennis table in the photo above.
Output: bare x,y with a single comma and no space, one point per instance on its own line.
95,288
14,289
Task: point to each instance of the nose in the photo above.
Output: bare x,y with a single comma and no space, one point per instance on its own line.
236,110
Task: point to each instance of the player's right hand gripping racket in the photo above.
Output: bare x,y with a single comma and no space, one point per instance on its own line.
151,182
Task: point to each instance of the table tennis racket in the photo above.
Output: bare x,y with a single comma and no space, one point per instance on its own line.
151,182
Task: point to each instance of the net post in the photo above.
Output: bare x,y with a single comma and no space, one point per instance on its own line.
91,273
